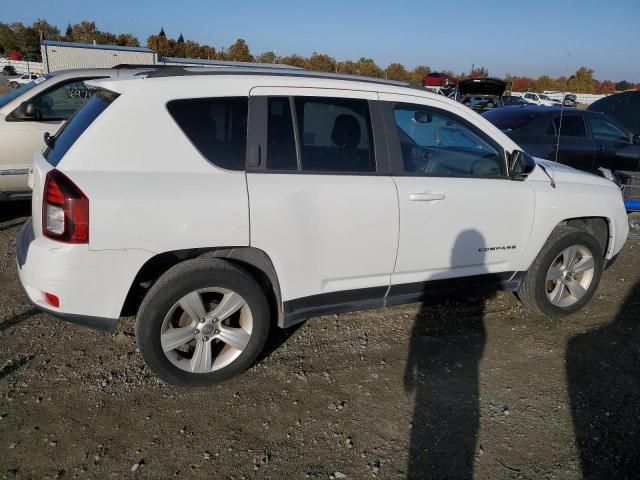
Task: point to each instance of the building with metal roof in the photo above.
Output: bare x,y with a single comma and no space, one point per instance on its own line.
69,55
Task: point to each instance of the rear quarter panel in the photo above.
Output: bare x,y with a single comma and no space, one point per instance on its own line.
148,186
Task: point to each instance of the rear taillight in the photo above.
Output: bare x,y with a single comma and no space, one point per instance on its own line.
65,210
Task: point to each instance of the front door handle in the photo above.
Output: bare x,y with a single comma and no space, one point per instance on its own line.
426,197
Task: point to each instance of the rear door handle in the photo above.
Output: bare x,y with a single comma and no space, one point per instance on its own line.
426,197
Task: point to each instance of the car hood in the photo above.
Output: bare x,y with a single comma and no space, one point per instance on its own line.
482,86
564,174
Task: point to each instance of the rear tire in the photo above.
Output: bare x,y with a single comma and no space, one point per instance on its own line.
203,322
565,274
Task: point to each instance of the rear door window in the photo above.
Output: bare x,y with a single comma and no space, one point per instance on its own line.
335,135
281,143
570,126
76,126
217,127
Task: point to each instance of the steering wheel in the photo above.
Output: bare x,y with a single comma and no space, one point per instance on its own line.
420,158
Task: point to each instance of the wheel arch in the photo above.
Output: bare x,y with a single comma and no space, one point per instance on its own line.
255,261
599,227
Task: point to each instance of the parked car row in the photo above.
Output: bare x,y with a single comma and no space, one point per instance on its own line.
216,204
590,140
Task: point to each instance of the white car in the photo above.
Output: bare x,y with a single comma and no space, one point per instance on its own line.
23,80
215,205
540,99
43,104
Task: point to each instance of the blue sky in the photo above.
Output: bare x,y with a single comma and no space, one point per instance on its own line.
521,38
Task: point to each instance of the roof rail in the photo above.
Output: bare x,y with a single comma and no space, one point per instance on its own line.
136,65
175,71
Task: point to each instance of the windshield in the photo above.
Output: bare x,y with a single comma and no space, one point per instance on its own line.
24,88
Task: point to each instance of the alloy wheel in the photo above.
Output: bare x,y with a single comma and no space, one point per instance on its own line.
206,330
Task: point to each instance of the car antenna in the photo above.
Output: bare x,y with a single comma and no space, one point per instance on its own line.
566,86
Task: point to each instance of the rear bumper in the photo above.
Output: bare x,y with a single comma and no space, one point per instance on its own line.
91,285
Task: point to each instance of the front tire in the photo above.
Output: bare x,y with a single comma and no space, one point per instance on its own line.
565,275
203,322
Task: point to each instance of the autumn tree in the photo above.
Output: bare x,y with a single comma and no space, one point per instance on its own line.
478,72
368,68
239,52
349,67
396,71
267,57
45,30
418,74
321,62
294,60
582,81
606,87
544,82
623,85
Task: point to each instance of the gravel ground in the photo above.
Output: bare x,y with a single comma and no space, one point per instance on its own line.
450,389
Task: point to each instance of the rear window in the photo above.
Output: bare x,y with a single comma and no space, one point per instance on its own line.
510,119
217,127
76,126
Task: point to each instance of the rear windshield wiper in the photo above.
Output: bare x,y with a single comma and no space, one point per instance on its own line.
50,140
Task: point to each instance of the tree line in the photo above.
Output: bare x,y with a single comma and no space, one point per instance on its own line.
18,41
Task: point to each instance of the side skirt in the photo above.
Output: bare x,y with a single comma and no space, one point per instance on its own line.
299,309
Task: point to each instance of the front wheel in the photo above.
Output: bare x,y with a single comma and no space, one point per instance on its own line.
565,275
202,322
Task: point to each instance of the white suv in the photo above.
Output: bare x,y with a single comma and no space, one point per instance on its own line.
217,204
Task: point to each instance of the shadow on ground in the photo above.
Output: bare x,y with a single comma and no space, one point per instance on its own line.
446,346
603,366
12,211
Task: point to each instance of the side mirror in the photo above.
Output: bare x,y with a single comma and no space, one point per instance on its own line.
516,162
520,165
26,111
636,139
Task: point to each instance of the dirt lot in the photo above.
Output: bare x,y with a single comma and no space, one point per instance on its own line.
487,391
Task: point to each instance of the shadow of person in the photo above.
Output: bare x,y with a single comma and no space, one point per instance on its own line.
447,342
602,372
